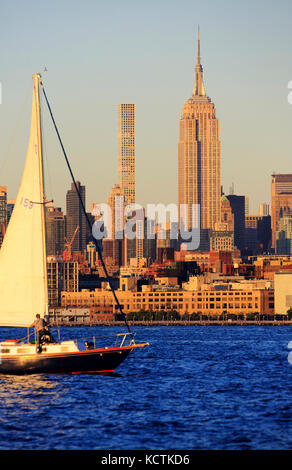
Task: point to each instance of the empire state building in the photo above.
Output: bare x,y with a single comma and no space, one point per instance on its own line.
199,154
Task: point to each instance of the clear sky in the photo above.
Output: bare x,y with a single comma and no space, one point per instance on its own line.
99,54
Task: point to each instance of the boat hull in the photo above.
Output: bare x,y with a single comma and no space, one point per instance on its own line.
95,361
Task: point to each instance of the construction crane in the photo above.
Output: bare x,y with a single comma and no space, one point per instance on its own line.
68,245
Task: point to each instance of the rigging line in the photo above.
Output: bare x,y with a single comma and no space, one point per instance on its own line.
85,213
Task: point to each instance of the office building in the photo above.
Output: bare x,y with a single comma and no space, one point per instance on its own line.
113,244
281,200
75,218
55,231
257,234
283,236
237,204
62,276
199,156
126,151
264,209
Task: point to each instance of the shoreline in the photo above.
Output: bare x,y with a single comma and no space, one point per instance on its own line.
178,323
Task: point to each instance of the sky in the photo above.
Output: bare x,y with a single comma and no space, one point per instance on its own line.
99,54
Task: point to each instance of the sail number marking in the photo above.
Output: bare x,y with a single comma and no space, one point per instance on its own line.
25,202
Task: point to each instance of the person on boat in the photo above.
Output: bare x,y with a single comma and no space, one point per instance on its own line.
46,335
39,326
43,334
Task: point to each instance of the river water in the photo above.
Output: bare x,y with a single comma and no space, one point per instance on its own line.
194,387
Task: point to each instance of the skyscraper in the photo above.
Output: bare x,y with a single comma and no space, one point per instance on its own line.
55,231
115,237
127,156
222,238
264,209
199,154
76,218
283,236
237,204
281,200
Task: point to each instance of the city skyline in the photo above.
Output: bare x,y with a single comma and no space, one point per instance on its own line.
253,78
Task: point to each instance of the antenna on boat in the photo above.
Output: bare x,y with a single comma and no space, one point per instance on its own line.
85,213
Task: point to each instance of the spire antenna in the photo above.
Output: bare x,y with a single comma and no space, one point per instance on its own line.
199,89
199,47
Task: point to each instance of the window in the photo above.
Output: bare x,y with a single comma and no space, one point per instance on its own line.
23,350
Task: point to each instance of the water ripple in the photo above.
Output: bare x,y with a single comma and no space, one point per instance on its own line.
193,388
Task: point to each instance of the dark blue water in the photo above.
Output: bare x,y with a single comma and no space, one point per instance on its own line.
209,387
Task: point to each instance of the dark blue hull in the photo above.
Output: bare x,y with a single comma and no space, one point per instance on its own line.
97,361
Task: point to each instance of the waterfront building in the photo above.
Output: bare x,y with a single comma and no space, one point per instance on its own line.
214,299
199,156
126,151
283,291
281,200
75,218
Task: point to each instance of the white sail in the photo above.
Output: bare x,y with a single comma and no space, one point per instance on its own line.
23,275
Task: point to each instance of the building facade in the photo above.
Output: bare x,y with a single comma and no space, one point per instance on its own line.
114,243
283,236
75,218
237,204
283,292
126,151
264,209
206,302
199,156
257,234
281,200
55,231
62,276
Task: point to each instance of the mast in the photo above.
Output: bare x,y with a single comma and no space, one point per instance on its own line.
42,201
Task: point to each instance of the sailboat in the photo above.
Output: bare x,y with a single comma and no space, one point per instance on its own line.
23,280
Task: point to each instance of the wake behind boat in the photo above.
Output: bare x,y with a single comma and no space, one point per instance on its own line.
23,279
